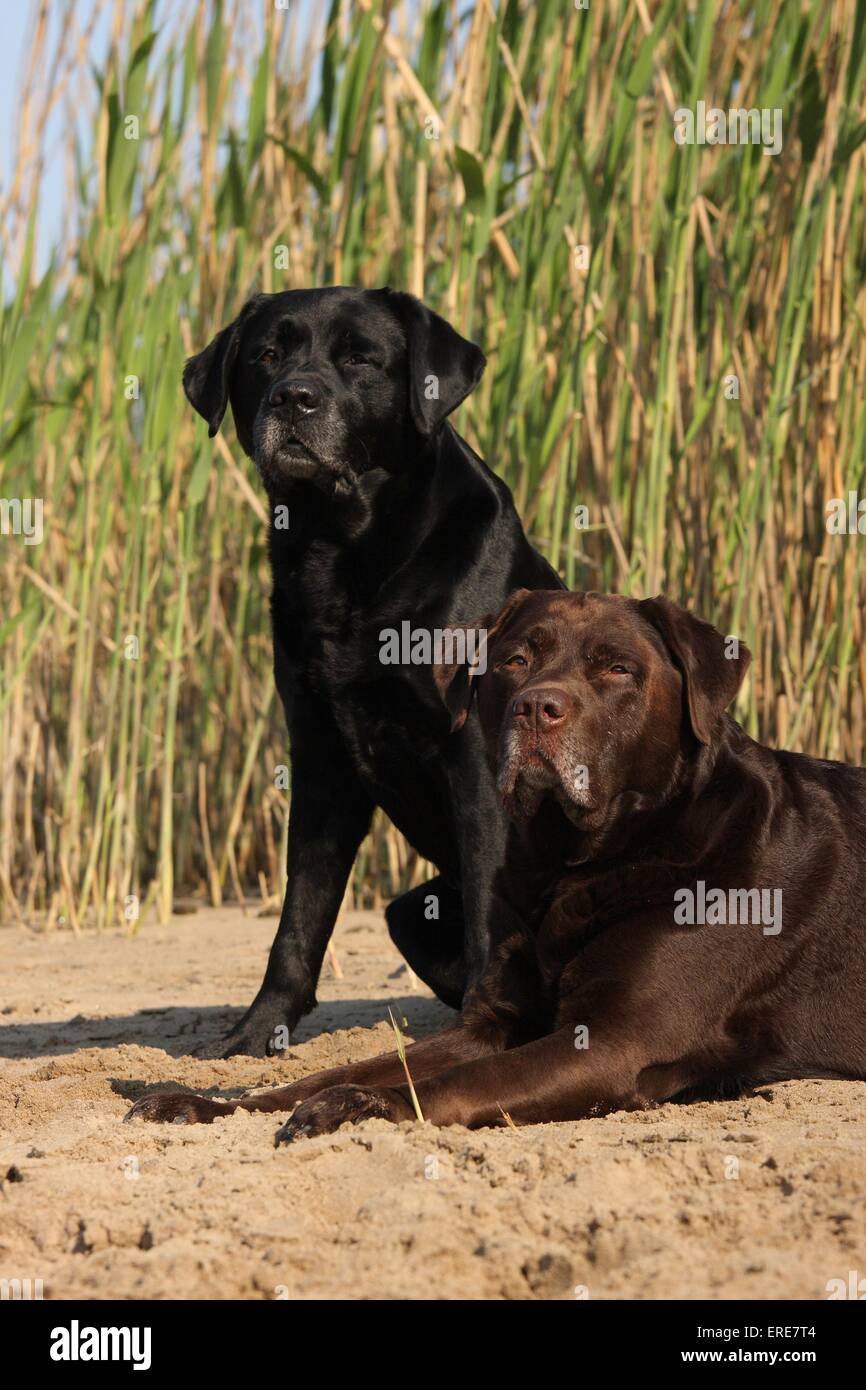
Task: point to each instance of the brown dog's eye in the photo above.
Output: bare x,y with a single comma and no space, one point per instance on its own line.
516,660
619,670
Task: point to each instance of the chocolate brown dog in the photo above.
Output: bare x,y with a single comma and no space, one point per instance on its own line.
680,911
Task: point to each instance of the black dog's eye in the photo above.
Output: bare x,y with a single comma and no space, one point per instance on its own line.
267,357
357,359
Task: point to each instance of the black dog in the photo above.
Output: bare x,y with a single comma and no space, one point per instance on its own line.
380,514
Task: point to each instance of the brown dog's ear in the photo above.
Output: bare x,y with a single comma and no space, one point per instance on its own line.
712,674
443,366
207,376
457,674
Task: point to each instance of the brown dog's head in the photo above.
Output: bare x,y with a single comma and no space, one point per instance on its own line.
594,700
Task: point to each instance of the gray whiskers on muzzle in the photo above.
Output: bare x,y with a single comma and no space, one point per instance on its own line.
269,438
281,455
561,775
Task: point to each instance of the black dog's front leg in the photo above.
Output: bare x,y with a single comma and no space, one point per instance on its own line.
443,929
329,817
481,830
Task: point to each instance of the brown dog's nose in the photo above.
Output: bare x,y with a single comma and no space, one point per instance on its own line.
545,706
303,396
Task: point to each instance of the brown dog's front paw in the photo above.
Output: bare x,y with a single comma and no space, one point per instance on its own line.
178,1108
325,1112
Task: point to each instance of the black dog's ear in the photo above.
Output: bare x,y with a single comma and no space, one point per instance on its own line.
443,366
465,659
206,377
712,666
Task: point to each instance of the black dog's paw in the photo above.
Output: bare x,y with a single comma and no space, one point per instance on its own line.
265,1032
252,1040
230,1045
178,1108
325,1112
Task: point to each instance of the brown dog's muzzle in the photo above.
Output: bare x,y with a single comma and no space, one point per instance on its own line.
540,709
536,757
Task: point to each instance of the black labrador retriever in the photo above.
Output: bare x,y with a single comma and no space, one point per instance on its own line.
680,911
383,522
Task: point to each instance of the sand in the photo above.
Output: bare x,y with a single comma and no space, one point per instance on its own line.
759,1198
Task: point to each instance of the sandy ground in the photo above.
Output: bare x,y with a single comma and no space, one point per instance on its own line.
758,1198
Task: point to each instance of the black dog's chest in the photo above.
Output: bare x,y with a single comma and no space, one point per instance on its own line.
339,641
388,746
388,736
388,716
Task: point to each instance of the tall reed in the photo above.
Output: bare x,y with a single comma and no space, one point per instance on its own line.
694,377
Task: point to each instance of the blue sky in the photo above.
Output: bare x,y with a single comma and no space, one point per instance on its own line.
17,23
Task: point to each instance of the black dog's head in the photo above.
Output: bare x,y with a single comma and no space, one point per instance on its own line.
326,384
596,701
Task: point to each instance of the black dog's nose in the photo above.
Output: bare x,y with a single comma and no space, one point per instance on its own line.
545,706
303,396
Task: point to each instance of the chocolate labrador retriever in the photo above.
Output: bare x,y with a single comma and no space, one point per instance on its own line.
383,521
680,911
